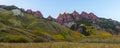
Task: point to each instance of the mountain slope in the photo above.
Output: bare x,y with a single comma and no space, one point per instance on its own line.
84,21
17,25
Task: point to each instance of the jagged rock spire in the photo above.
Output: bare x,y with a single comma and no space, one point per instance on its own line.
66,17
76,15
93,16
85,15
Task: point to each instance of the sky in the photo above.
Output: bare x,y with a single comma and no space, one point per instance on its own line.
101,8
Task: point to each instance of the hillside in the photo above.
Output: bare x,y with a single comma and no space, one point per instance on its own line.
18,25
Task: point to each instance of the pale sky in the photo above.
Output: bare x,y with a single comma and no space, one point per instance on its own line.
101,8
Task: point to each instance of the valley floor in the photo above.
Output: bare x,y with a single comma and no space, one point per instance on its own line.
59,45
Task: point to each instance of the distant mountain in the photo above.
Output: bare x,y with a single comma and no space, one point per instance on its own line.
80,22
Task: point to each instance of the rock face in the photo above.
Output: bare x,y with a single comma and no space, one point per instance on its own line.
69,25
17,12
36,13
92,16
29,11
60,19
89,16
69,19
85,15
66,17
76,15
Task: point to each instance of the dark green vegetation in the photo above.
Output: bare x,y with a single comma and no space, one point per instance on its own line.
88,28
100,25
8,7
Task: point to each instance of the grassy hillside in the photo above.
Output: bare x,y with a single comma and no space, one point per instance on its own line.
29,28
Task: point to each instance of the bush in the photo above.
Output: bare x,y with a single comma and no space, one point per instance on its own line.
89,30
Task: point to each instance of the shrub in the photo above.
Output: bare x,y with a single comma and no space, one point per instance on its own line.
89,30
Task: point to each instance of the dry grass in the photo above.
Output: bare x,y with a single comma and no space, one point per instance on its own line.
58,45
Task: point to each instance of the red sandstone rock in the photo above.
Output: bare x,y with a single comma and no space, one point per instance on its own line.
85,15
29,11
66,17
60,19
92,16
36,13
76,15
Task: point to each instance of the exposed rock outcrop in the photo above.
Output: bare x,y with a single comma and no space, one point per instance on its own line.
92,16
69,25
17,12
36,13
76,15
66,17
85,15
